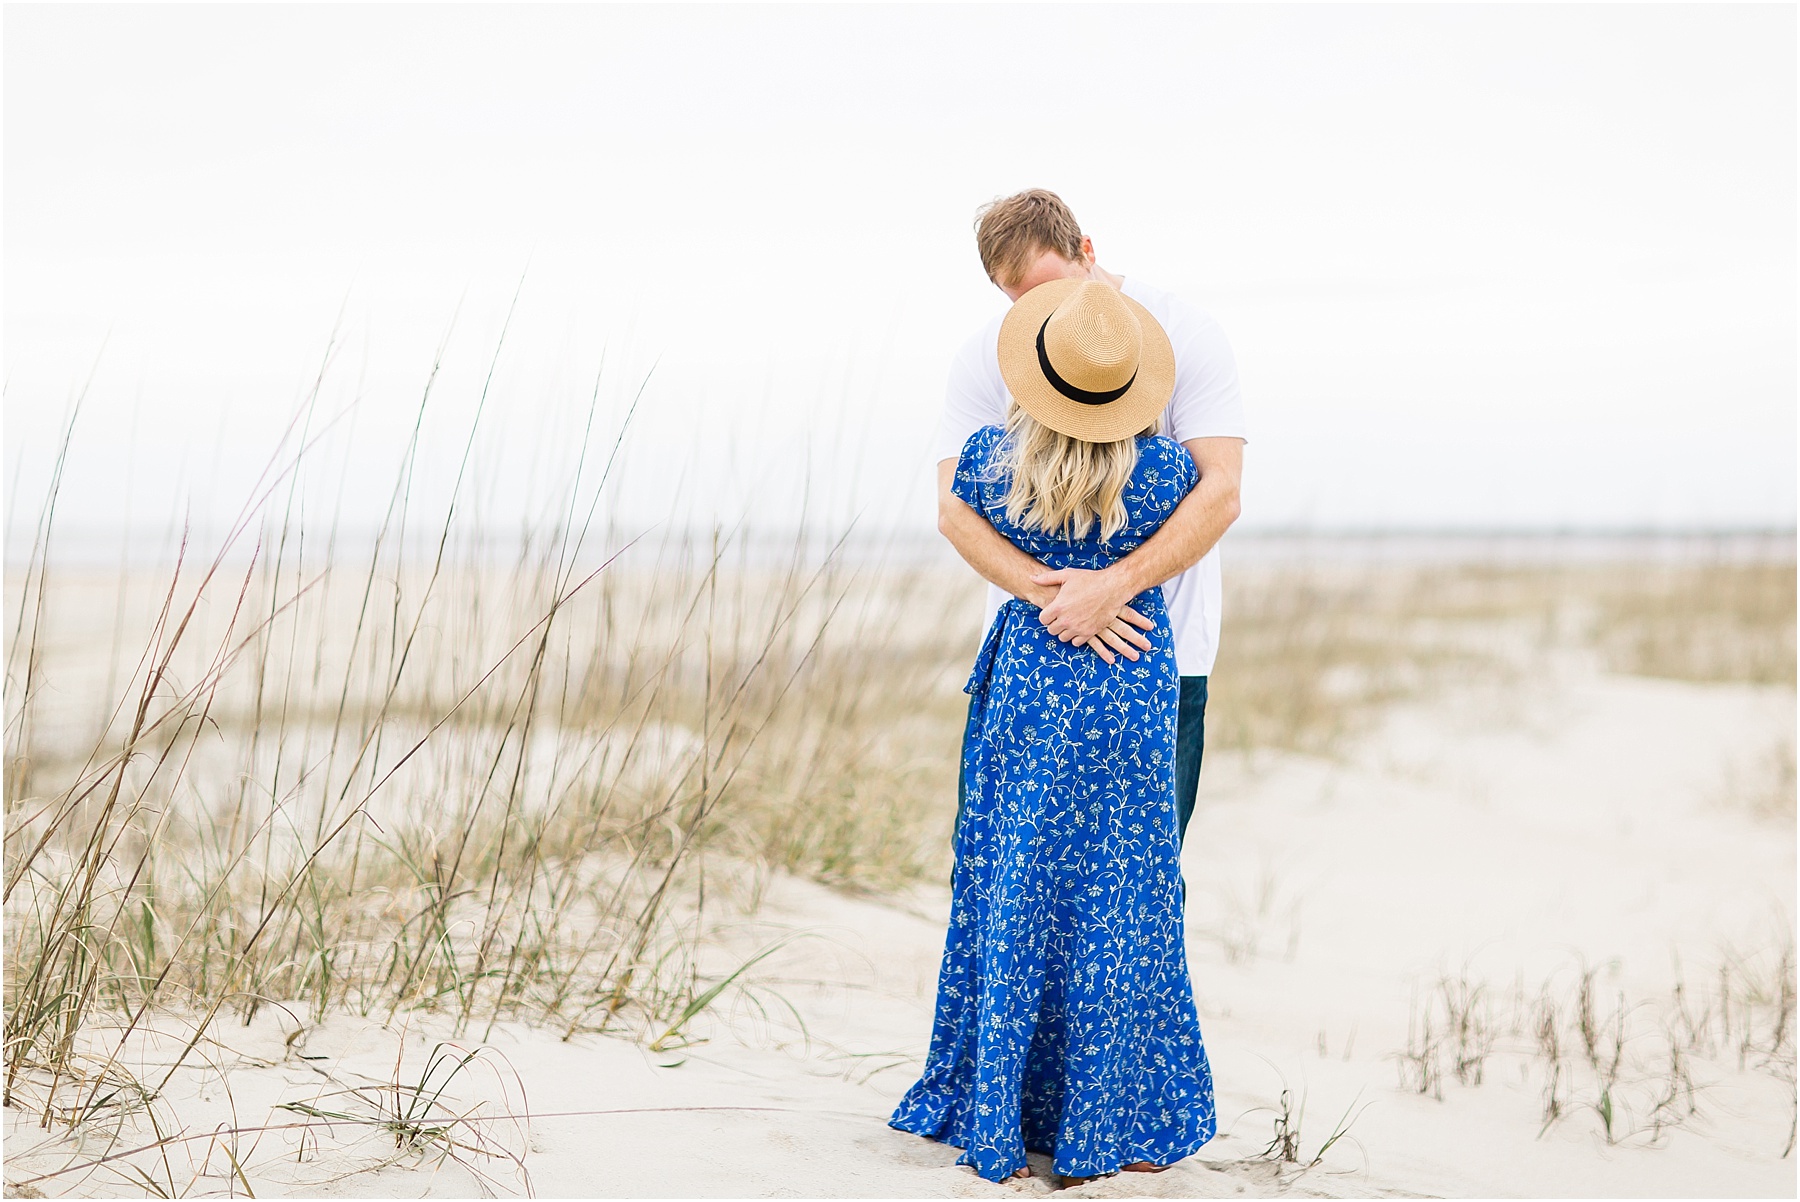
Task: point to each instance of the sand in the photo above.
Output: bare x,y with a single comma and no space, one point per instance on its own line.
1496,834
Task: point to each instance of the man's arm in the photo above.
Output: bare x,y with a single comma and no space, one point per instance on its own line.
1000,562
1087,600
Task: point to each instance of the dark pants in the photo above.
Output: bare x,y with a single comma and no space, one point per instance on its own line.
1190,743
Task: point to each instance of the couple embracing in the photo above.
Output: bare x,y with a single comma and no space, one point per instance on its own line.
1089,459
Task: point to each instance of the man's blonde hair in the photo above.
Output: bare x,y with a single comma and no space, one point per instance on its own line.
1014,230
1062,485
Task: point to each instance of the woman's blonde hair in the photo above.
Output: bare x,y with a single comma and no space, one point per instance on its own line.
1062,485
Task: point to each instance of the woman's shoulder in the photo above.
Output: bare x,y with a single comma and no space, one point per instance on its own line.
1167,458
983,440
979,448
1160,448
973,468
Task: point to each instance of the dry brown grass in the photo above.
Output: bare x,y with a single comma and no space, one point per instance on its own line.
497,833
1631,1068
423,776
1313,651
1703,622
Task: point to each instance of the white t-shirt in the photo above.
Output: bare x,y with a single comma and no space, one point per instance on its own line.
1205,404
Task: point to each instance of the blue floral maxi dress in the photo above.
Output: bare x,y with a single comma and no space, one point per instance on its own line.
1065,1018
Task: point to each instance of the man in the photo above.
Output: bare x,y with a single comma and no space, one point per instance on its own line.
1029,239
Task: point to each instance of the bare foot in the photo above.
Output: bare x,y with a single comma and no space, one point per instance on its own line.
1024,1172
1144,1166
1072,1182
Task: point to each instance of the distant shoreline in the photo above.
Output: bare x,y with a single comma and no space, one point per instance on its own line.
107,549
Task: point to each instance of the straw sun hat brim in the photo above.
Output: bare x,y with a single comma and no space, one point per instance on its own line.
1130,414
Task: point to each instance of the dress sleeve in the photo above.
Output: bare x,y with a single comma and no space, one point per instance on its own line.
1174,467
971,468
1190,471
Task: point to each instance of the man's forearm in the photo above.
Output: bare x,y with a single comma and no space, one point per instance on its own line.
990,553
1184,539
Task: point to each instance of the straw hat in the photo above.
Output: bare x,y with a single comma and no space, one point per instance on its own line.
1086,360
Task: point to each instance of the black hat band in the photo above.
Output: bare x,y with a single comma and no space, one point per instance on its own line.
1069,390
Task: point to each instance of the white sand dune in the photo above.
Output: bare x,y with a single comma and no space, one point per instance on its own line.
1495,835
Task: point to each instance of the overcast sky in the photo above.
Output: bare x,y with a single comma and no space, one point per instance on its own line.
1521,266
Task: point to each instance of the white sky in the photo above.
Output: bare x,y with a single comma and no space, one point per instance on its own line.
1499,266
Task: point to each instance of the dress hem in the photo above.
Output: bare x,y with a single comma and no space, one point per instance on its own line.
1162,1158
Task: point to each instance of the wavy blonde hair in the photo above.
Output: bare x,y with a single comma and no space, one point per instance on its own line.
1062,485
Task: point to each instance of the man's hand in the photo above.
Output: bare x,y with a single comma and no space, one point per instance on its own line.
1122,635
1090,610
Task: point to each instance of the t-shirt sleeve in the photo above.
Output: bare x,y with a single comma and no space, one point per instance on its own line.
971,466
1206,402
975,396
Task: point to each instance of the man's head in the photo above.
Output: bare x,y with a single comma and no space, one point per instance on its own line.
1031,238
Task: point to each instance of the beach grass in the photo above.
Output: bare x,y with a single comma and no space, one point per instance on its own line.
1316,650
425,774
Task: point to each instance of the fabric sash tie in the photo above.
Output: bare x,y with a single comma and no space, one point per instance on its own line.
983,671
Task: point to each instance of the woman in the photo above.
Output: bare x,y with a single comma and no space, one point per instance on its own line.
1065,1019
